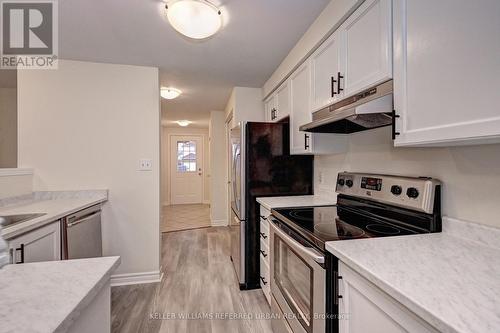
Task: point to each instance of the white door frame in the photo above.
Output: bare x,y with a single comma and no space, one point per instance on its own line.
202,160
228,123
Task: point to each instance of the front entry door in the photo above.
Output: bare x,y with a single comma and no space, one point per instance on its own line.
186,169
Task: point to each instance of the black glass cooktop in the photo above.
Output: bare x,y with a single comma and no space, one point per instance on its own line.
331,223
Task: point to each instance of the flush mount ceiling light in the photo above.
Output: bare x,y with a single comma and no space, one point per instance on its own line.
183,123
170,93
197,19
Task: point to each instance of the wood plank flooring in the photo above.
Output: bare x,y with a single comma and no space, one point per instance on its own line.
198,281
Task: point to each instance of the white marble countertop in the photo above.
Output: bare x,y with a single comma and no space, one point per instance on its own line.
55,205
49,296
295,201
449,279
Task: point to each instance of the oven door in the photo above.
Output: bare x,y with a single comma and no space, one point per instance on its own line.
297,280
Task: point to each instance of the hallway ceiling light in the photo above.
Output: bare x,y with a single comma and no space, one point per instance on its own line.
197,19
170,93
183,123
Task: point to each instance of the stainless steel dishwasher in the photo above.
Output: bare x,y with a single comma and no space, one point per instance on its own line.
81,234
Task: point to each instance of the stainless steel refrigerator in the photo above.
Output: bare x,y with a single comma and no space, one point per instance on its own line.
261,166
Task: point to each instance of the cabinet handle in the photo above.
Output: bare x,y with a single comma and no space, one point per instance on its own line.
333,86
263,235
263,217
306,142
394,132
338,83
263,280
263,253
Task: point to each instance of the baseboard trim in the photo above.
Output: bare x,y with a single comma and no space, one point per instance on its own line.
136,278
218,223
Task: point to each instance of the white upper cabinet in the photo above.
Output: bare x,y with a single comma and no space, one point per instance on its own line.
446,72
305,142
326,66
270,109
283,101
367,41
355,57
277,106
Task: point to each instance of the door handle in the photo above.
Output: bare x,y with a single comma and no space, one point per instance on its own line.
333,86
338,83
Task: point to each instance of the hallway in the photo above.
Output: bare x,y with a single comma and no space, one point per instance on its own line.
198,280
185,217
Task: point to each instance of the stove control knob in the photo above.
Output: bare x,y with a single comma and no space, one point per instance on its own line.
396,189
412,192
349,183
341,181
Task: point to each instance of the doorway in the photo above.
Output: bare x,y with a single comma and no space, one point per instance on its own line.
186,169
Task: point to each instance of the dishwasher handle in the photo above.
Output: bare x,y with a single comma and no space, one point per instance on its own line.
72,222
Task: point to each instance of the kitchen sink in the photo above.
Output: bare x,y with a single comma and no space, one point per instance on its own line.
9,220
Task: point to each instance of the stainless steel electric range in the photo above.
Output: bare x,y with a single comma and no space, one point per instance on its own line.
304,276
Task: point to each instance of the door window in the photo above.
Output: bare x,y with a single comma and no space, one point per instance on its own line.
186,156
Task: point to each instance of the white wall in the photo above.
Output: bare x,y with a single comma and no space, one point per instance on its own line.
8,127
166,132
85,126
245,104
327,22
218,168
471,175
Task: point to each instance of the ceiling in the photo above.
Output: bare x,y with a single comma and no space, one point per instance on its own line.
256,36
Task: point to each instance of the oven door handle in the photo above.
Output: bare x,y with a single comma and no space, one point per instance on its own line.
313,254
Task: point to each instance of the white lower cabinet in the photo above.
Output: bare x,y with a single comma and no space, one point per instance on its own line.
300,106
265,276
42,244
366,308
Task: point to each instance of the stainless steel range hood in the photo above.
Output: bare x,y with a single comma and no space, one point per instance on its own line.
369,109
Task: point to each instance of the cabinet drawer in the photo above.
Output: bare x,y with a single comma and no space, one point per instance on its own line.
264,212
265,279
264,230
264,248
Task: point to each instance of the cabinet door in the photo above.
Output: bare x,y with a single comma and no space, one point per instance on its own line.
300,101
300,87
270,109
283,101
446,72
325,66
367,45
369,309
42,244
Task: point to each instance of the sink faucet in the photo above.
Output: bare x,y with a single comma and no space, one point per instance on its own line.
4,255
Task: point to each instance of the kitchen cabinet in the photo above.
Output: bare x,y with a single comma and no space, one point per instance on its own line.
270,108
367,47
369,309
356,56
446,72
42,244
305,142
277,106
265,276
326,66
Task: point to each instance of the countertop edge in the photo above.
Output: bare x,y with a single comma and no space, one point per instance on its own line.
75,313
314,201
7,234
414,307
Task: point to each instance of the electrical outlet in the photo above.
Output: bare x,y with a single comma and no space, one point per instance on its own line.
145,164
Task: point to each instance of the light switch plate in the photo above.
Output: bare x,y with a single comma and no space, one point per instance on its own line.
145,164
